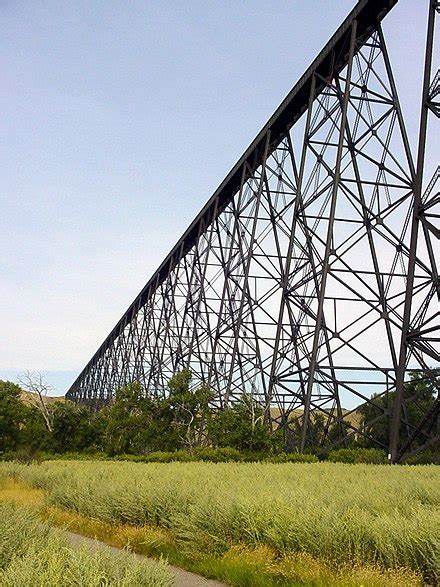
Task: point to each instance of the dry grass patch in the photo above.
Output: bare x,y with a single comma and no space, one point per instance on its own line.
14,491
150,541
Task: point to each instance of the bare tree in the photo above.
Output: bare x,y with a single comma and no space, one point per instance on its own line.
35,384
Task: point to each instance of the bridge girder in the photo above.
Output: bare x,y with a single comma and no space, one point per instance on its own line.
309,280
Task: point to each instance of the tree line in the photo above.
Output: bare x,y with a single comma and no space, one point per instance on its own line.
136,424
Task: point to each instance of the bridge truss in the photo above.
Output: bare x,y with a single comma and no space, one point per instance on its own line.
309,279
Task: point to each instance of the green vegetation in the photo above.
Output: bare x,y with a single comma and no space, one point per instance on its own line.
418,397
252,518
365,515
133,424
13,415
183,427
32,554
207,455
357,455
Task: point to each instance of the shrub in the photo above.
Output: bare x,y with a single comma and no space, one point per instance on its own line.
216,455
427,457
357,455
26,456
219,455
182,456
294,457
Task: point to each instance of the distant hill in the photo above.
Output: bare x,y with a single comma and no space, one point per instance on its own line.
352,417
31,399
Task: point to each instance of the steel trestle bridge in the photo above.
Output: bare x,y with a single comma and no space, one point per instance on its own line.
309,279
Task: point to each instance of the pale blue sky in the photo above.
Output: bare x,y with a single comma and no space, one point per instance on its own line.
119,121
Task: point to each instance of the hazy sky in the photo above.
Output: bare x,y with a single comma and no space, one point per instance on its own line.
119,121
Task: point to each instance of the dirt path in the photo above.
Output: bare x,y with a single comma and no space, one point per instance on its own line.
182,578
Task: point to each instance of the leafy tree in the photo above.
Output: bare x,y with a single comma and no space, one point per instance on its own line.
136,424
34,433
419,396
12,416
125,421
241,426
190,409
320,432
73,427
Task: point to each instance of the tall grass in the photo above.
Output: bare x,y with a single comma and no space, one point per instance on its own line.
345,514
33,555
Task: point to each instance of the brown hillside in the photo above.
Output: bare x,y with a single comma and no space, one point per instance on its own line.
32,399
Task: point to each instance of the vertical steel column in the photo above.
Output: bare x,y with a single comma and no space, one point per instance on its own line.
418,182
285,282
226,255
245,288
320,311
203,272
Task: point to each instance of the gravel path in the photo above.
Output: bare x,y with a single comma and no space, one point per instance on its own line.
182,578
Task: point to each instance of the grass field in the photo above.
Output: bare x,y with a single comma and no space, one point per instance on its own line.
32,554
315,524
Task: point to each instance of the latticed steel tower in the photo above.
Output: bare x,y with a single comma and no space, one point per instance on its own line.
309,279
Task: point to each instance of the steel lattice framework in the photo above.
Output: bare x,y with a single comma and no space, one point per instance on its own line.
309,279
